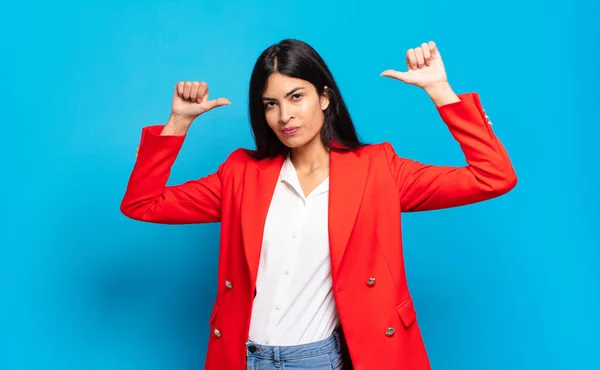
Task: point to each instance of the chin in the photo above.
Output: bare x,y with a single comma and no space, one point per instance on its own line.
293,142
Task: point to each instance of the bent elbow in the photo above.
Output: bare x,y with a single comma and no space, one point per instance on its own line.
128,211
512,182
498,183
508,182
125,210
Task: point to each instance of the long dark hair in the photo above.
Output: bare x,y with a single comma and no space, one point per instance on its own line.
297,59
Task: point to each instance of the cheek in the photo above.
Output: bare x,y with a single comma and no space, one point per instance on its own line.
313,115
272,118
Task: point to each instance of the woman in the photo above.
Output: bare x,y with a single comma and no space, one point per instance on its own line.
311,272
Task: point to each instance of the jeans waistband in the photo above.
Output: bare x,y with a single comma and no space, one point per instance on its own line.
278,353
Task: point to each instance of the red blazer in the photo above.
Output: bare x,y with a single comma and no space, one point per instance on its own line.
369,188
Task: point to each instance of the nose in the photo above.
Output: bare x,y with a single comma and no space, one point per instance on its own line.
285,114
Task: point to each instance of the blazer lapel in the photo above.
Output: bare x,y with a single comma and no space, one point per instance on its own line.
257,194
347,180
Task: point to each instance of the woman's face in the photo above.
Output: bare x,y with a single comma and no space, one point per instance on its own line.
293,109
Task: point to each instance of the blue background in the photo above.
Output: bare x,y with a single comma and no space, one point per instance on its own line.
511,283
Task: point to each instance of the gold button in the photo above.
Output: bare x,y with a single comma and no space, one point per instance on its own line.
487,118
217,333
228,284
371,281
390,331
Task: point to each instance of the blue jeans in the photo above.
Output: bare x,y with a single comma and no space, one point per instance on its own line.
321,355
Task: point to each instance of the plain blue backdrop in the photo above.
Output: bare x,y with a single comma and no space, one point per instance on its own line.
512,283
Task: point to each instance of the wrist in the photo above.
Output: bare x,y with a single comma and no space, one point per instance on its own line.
177,125
441,93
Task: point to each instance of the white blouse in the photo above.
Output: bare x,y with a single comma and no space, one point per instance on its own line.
294,301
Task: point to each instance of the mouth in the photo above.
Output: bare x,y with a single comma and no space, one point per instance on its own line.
290,130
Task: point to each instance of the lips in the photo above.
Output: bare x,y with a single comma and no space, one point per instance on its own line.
290,130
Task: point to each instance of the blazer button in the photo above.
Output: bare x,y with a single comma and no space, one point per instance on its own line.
371,281
487,118
217,333
390,331
228,284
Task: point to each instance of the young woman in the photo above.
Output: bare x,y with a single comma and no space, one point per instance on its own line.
311,272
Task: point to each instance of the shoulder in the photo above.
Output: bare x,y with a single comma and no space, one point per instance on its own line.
239,157
238,160
377,151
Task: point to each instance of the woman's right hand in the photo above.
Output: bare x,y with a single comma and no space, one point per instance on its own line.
190,99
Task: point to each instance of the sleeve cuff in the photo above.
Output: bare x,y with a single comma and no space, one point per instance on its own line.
152,138
468,106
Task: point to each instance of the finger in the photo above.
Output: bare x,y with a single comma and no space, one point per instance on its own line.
179,88
187,89
218,103
433,50
194,92
394,74
426,53
420,59
202,91
411,59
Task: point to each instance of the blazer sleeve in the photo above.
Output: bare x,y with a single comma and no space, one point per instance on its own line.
148,198
488,173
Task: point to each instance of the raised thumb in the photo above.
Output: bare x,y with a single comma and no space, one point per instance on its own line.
219,102
394,74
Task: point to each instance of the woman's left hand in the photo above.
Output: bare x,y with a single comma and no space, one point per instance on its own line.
425,67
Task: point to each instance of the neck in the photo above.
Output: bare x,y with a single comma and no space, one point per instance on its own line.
310,157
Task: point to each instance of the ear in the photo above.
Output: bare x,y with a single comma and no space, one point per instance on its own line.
325,98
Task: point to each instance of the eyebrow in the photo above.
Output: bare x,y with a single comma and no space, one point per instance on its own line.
286,95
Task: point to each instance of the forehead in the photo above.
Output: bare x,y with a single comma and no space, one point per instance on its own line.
279,84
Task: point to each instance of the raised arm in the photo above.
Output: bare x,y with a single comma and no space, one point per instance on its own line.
488,173
147,197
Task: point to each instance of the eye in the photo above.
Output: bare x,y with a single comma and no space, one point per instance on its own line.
296,96
269,105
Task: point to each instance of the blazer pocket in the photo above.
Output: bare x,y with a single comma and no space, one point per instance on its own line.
213,314
407,313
